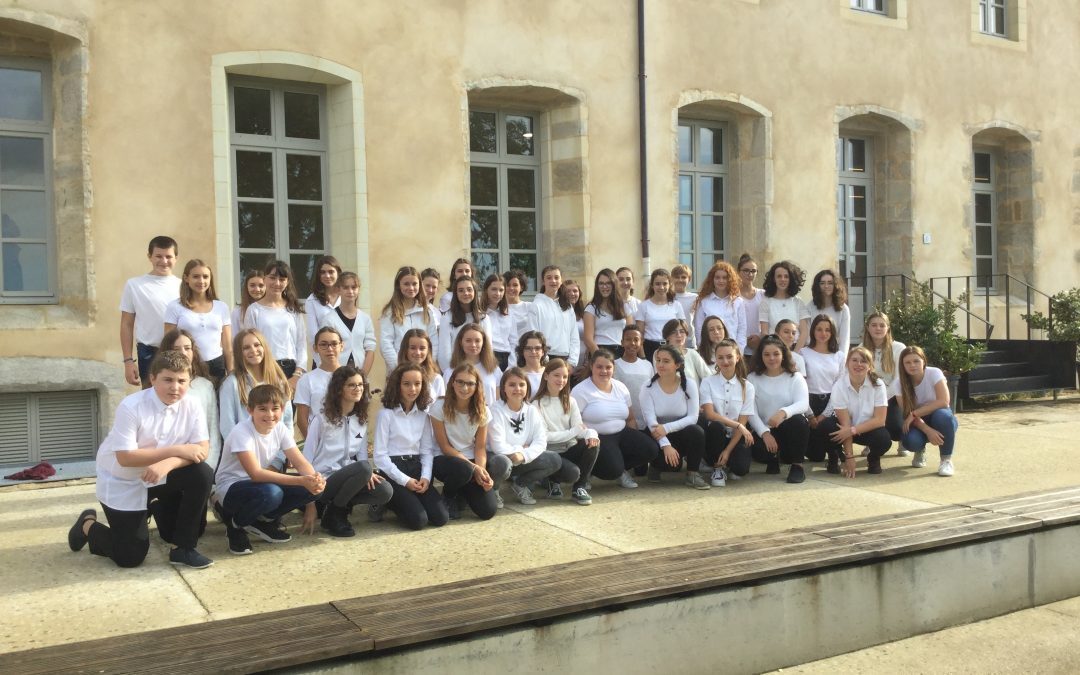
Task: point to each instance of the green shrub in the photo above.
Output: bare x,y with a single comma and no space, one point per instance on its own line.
918,317
1065,310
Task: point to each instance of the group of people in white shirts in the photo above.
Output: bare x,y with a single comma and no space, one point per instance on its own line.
483,388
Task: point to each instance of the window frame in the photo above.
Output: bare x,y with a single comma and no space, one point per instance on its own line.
861,6
43,129
697,256
503,163
988,23
989,188
279,147
844,178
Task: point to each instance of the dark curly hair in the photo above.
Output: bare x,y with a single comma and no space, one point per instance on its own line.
798,278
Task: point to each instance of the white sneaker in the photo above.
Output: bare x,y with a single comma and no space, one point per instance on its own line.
732,476
499,500
626,481
945,468
524,494
901,451
719,478
920,459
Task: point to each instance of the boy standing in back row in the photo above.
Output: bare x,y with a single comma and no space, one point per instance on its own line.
154,451
142,309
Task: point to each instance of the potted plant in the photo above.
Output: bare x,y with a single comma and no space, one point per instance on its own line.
919,317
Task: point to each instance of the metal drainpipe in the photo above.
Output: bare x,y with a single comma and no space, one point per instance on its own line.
642,138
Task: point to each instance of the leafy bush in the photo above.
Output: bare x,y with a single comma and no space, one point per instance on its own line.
918,317
1065,310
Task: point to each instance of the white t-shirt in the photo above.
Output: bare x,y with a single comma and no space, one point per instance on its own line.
841,319
315,317
284,331
750,310
654,316
205,327
859,404
604,411
772,311
924,391
311,390
633,375
459,431
245,438
822,370
606,330
143,421
146,297
330,448
892,380
489,380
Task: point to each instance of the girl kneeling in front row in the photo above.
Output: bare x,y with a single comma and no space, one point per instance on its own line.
727,401
405,450
465,467
925,404
336,446
780,406
669,403
567,435
518,432
858,401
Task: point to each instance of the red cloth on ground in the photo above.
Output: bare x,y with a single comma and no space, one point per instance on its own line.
37,472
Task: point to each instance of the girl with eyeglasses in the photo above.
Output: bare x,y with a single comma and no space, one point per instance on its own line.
752,297
532,354
311,390
606,314
473,346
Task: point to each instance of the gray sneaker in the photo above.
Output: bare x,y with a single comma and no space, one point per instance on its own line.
554,490
624,480
902,451
499,503
581,496
694,480
524,494
920,459
719,478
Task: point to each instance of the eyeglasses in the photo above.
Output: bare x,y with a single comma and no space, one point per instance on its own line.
678,331
354,385
324,345
465,384
748,270
532,349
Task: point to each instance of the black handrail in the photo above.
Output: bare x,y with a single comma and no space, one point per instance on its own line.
904,280
987,290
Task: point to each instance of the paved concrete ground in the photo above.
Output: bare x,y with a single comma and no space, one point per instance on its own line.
49,595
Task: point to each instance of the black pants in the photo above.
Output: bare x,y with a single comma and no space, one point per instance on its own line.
624,450
614,349
580,457
413,509
894,420
716,440
217,368
818,443
689,443
877,440
288,366
348,486
456,475
650,347
179,511
791,439
503,358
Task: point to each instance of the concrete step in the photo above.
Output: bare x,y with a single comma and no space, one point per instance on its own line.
1010,385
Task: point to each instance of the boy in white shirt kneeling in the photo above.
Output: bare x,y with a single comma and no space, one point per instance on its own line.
154,451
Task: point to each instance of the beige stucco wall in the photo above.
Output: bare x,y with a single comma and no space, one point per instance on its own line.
150,132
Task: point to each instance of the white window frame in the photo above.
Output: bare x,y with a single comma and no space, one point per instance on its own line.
990,189
697,256
845,178
872,6
279,145
503,162
988,22
16,128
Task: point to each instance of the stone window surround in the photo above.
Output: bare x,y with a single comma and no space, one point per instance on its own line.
1016,29
895,15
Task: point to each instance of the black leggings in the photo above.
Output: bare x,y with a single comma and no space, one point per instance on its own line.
650,347
716,439
503,358
894,420
877,440
689,443
348,486
416,509
581,457
791,439
456,475
623,450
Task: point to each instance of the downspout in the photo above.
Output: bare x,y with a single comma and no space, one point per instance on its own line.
642,140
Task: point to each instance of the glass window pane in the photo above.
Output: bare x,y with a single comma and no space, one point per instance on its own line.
483,186
712,145
256,224
303,265
254,174
523,230
482,131
305,226
22,98
858,201
304,177
485,264
712,194
984,211
484,229
249,262
843,269
22,161
26,267
856,155
686,145
984,269
686,232
251,111
706,230
718,233
527,263
982,167
301,115
521,188
984,240
688,260
519,135
860,236
23,214
999,20
686,193
858,275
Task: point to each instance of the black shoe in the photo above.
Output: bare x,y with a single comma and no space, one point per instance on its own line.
335,522
239,544
773,467
375,513
796,474
219,513
834,465
873,464
76,536
154,509
320,509
268,531
452,507
189,557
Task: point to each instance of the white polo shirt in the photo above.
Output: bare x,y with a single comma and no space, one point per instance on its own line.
859,403
245,438
146,297
728,397
143,421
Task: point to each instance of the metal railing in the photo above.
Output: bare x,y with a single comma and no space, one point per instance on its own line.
878,288
987,287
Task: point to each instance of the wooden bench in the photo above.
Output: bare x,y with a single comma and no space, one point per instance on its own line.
366,624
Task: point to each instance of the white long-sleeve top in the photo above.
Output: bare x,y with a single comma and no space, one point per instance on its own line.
331,447
504,332
654,315
231,412
785,392
841,319
891,380
448,334
284,331
822,370
520,312
729,311
356,342
399,433
729,398
558,325
564,428
202,390
523,431
695,366
315,314
390,333
676,411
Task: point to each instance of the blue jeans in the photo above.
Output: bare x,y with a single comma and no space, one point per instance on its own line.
145,354
941,420
246,501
